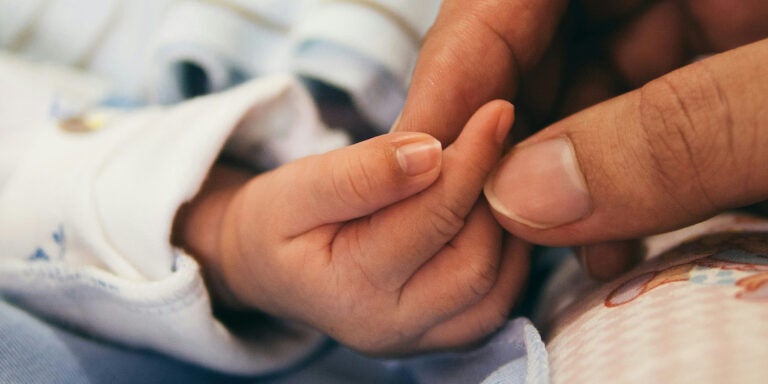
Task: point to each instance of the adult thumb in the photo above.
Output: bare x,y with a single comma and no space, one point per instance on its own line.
680,149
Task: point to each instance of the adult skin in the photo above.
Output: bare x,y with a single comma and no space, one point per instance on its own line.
683,145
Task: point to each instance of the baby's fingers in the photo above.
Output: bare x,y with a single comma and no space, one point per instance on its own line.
487,315
395,242
350,182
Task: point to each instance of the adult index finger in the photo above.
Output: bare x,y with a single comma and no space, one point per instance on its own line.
473,54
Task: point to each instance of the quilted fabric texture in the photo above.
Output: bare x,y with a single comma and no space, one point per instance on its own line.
698,313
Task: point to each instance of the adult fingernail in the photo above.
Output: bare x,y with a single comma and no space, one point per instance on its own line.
419,156
540,185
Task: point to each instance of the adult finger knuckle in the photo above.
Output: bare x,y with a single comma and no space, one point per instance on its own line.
685,134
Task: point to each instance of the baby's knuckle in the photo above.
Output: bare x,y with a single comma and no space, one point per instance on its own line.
493,319
446,221
378,339
353,182
481,275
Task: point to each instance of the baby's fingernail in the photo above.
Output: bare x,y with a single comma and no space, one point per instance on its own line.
505,124
419,156
540,185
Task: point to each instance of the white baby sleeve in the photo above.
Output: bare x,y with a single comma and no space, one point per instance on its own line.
226,41
368,48
85,222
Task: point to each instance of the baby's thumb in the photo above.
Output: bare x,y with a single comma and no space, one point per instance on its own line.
355,181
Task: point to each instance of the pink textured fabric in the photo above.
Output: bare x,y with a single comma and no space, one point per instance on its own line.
697,313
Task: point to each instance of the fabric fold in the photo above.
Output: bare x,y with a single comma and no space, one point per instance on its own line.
86,221
514,354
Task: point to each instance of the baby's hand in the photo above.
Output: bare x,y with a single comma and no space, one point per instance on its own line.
383,245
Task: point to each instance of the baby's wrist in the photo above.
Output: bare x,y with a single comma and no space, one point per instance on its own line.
199,225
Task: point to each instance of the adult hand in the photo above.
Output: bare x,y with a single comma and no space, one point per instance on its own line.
478,50
684,147
475,53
